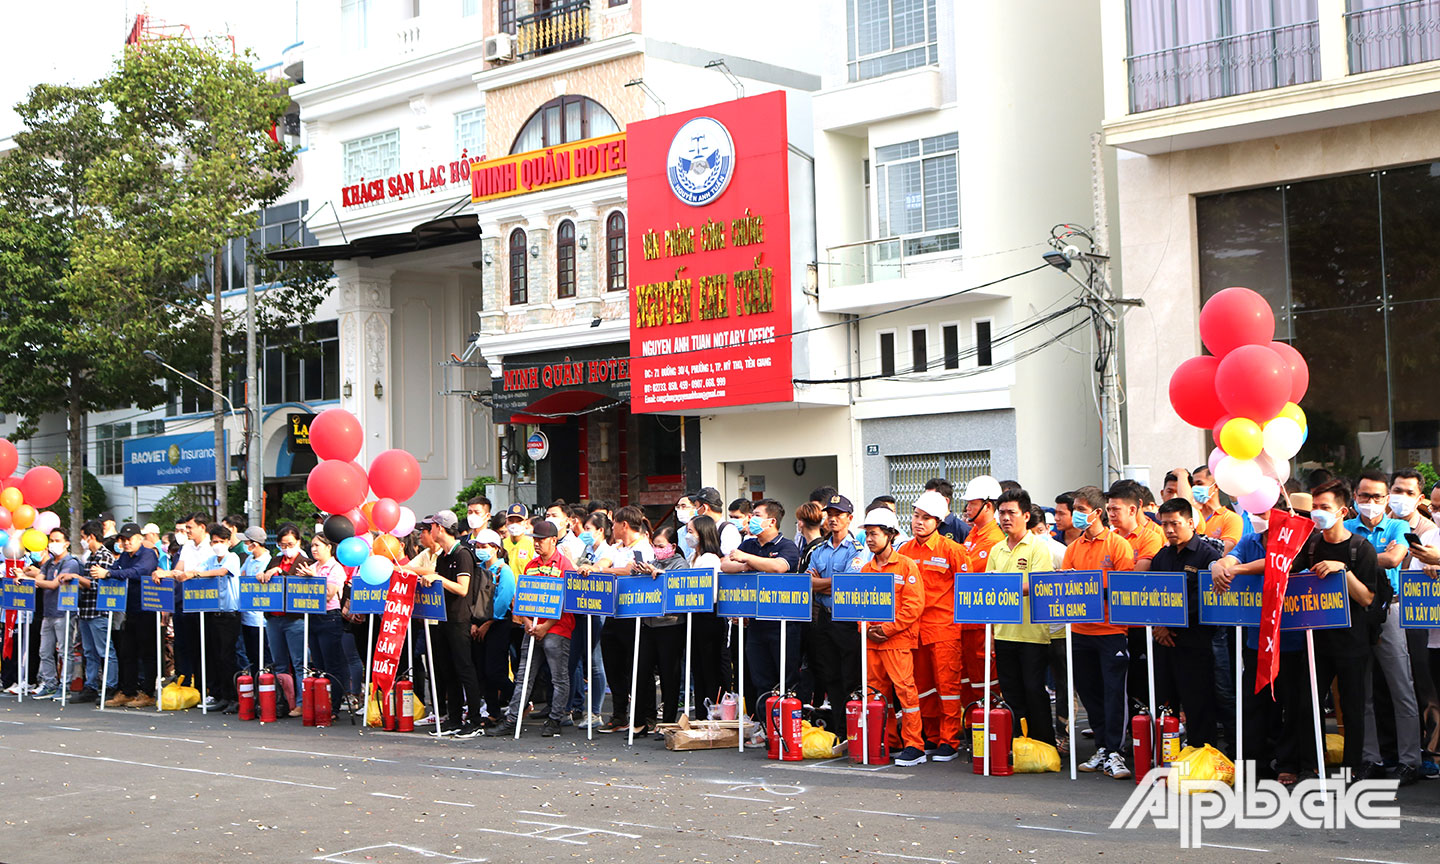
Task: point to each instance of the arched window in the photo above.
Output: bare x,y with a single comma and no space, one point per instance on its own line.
615,251
565,260
519,272
562,119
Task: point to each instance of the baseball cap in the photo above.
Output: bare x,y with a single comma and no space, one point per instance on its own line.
710,497
517,511
933,504
106,516
881,517
445,519
129,529
255,534
545,528
840,503
150,528
487,537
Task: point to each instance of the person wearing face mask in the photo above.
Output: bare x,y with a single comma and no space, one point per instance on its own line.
1216,520
740,510
257,561
766,550
94,625
558,514
1392,651
192,559
1423,663
136,636
284,632
519,546
477,516
491,636
707,502
832,652
631,554
594,546
56,566
222,628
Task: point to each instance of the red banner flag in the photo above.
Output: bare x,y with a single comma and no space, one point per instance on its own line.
12,571
1287,533
394,625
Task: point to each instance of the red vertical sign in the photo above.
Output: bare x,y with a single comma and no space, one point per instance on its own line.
1286,535
394,624
709,257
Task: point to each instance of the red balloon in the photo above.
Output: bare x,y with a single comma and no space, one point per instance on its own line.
1192,392
395,474
364,475
1219,424
42,486
385,515
335,486
1253,381
1235,317
336,434
362,525
5,521
9,458
1299,370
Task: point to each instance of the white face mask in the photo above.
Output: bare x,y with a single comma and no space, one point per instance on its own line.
515,528
474,520
560,523
57,549
292,552
685,514
1370,509
1323,519
319,528
1402,505
220,549
1259,523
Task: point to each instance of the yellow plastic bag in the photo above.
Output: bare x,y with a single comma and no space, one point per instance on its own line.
1334,748
372,714
1205,763
1034,757
177,697
816,742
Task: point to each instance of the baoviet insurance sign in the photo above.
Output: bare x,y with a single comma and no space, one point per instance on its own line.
709,257
168,459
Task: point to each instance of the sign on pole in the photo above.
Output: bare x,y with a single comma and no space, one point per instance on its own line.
1315,603
689,591
590,593
305,595
866,597
1419,599
201,594
1237,606
1067,597
157,598
783,597
367,599
540,596
430,601
989,598
639,597
111,594
1148,599
737,595
257,596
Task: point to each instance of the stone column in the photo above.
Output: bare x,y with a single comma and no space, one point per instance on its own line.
364,312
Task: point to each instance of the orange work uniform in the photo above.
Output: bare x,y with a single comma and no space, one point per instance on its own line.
1144,541
892,663
939,667
1224,525
972,681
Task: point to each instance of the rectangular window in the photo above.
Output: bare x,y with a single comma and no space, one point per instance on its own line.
507,16
982,343
885,36
470,133
110,447
918,360
372,157
305,368
887,353
950,336
145,428
909,474
917,194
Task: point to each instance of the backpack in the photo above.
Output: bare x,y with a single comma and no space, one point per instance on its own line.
482,594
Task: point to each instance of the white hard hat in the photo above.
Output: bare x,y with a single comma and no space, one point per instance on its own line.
882,517
487,537
933,504
984,486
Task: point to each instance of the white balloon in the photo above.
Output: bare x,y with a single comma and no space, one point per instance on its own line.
1283,438
13,549
1276,469
1237,477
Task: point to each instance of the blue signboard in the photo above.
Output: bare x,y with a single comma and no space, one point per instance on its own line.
429,601
639,597
736,595
169,459
69,599
1157,599
1419,599
201,595
689,591
367,599
590,593
990,598
1239,606
783,597
157,598
257,596
1312,603
868,597
19,596
111,594
540,596
305,595
1067,597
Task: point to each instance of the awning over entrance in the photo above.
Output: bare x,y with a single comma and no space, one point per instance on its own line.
445,231
557,407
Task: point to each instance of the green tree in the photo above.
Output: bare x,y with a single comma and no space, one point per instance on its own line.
476,487
93,498
295,506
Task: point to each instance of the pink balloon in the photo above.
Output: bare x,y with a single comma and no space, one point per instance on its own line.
1253,381
1299,370
362,525
385,515
335,486
1215,456
1263,498
5,520
336,434
42,486
46,522
395,474
406,524
1236,317
9,458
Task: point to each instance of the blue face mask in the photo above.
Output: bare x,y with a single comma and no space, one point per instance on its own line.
1081,521
1323,519
588,538
756,526
483,556
738,522
116,547
35,557
1202,494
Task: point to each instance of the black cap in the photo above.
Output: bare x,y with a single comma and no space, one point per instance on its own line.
128,530
710,497
545,528
839,502
106,516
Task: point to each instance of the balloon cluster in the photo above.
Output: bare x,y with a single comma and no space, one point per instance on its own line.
1247,391
339,486
22,528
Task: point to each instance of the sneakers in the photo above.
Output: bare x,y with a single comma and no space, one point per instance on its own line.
1115,767
86,695
15,689
1091,765
469,730
550,729
1429,770
944,753
910,756
616,724
46,693
593,720
504,730
212,704
442,732
1408,774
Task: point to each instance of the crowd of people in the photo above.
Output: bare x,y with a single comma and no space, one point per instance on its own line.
927,666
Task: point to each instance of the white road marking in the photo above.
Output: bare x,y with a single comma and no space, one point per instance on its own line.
643,825
915,857
738,798
1428,820
888,813
771,841
341,857
614,785
1236,848
344,756
541,813
454,803
185,770
545,829
850,769
1061,830
1364,860
388,795
66,728
156,737
482,771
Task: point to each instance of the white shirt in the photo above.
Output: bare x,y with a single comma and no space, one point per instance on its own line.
730,538
707,561
573,548
621,557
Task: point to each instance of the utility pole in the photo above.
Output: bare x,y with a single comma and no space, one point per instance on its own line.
1109,383
217,350
254,494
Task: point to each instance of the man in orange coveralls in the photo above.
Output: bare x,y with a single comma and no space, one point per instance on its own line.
981,495
889,646
938,663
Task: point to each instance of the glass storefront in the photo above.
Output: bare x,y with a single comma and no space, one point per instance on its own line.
1351,266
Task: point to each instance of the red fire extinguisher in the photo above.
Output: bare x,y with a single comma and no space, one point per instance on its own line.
245,691
876,719
772,738
266,696
404,694
1142,743
313,689
1168,726
1002,726
784,718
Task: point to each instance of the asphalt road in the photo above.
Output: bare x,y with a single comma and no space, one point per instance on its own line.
130,786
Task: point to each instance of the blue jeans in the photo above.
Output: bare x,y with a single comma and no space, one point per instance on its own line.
285,641
92,637
578,682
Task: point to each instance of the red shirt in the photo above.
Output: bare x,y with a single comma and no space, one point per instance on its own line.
554,567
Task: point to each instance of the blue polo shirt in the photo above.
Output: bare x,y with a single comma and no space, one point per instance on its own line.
827,559
1385,532
1252,548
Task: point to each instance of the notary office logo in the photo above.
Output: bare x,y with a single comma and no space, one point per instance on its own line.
701,161
1262,804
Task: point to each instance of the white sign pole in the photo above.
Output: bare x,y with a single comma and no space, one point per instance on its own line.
1070,696
23,661
65,664
740,686
204,672
989,632
1239,714
1155,740
105,670
685,682
434,688
589,677
634,683
159,660
525,684
1315,713
864,718
370,661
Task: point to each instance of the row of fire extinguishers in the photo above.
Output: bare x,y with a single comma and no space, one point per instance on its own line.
257,698
1155,742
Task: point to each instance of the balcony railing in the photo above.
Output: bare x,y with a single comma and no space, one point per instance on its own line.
1395,35
866,261
563,25
1244,63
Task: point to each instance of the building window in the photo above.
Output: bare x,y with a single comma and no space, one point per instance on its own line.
507,16
918,360
518,268
885,36
564,119
565,260
470,133
615,252
110,447
304,367
354,15
887,353
950,336
1384,34
909,474
372,157
982,343
918,194
1182,52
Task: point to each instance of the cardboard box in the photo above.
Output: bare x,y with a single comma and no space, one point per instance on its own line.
701,734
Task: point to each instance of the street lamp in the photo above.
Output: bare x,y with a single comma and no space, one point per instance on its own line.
221,458
155,358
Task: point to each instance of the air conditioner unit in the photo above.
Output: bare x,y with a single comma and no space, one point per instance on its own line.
500,48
